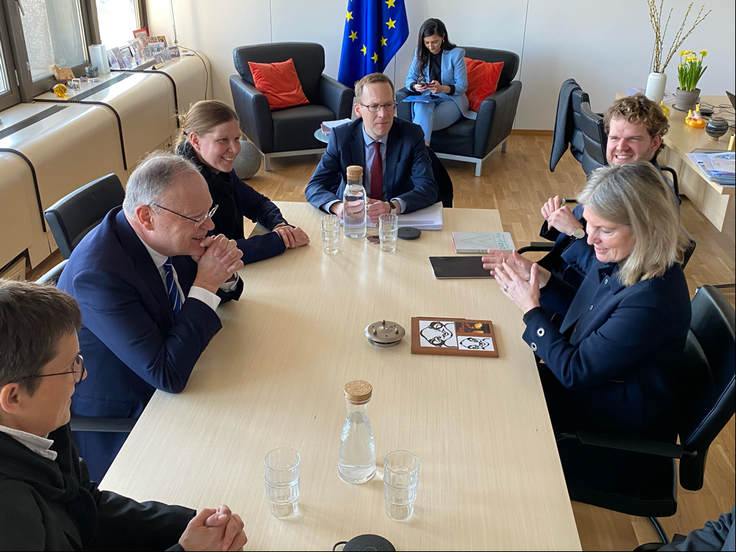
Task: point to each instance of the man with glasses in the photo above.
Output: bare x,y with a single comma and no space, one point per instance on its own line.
397,171
148,280
48,500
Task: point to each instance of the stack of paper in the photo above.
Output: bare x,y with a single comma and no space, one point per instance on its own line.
429,218
718,167
327,126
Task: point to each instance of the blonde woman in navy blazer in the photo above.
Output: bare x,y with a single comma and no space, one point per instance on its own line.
438,69
612,364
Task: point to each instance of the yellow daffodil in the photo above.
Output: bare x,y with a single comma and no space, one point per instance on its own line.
703,53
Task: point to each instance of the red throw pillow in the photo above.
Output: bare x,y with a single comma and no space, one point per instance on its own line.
482,80
279,83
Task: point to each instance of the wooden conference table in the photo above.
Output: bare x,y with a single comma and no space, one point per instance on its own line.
490,476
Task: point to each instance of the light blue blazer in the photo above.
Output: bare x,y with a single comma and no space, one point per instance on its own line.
453,72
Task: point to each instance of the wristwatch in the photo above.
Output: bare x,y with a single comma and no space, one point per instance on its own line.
393,210
578,233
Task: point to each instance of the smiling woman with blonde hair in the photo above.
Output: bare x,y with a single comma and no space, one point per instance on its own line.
210,137
611,364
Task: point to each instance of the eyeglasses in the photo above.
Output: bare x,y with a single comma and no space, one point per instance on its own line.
197,222
78,371
388,108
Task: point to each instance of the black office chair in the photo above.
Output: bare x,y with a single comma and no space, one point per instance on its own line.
442,177
108,425
290,131
53,275
72,217
474,140
706,404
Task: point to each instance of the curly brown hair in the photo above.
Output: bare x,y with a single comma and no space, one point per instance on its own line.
638,109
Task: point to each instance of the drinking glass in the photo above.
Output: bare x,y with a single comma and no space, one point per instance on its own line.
400,478
282,481
388,230
330,233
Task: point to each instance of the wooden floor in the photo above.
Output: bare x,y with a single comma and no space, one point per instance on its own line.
517,183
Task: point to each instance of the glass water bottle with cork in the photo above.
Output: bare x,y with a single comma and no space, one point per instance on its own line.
357,460
353,203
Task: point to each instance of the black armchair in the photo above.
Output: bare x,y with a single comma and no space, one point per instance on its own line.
287,132
474,140
706,404
73,216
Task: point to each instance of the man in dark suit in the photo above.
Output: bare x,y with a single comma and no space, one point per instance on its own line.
48,501
397,171
148,280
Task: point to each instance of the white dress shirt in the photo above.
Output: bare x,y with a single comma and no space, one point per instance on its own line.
39,445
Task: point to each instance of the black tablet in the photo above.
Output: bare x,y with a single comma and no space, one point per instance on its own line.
459,267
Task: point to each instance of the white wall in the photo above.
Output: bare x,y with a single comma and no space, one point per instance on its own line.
606,47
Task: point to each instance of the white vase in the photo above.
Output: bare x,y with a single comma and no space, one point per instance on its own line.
655,87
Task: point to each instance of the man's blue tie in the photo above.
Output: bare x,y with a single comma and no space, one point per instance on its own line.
171,288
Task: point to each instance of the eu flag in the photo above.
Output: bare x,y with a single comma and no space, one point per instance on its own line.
374,32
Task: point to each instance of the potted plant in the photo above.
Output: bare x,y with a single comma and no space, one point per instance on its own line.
689,71
657,78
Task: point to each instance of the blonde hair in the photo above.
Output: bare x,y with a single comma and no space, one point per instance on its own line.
202,117
370,79
636,195
638,109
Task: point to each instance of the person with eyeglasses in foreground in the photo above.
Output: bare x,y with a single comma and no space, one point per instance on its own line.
397,171
147,279
48,500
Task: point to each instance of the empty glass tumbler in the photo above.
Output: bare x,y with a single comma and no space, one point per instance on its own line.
330,233
400,478
357,461
282,481
388,231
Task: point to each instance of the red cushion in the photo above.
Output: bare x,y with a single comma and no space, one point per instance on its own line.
279,83
482,80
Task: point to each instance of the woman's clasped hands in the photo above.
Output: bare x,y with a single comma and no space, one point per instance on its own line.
520,279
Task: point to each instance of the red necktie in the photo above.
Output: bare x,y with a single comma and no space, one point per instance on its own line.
377,173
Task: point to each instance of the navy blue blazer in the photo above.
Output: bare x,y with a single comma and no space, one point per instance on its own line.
407,174
616,351
131,341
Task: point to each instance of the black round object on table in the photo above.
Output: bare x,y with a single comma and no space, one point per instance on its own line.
368,542
409,233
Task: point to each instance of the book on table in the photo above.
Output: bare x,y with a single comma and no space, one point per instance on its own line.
481,242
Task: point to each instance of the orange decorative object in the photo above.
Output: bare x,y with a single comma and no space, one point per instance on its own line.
694,119
59,90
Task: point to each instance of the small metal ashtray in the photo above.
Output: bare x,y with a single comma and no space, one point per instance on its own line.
384,333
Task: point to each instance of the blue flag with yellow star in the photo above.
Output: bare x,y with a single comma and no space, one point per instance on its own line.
374,32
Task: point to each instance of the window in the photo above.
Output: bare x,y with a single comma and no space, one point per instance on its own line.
53,35
8,88
117,19
37,34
